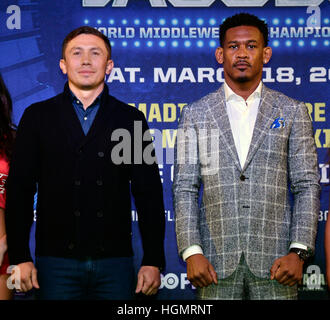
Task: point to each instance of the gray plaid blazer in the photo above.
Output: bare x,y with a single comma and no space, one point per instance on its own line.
245,209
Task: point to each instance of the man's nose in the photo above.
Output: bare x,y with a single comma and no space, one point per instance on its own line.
86,59
242,52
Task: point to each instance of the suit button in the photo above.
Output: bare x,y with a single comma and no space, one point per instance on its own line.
71,246
77,213
242,177
80,151
99,182
100,154
77,182
100,214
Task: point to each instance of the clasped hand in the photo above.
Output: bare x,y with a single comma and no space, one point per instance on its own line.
287,270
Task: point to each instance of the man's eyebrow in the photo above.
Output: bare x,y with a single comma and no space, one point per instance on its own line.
80,48
248,41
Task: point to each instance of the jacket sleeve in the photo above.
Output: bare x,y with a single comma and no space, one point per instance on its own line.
146,188
21,187
186,184
304,179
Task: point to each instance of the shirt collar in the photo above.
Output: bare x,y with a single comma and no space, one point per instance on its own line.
76,101
231,95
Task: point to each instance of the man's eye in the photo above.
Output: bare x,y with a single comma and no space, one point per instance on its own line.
96,53
75,53
251,46
233,46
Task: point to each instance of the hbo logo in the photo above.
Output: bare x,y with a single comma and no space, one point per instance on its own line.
172,281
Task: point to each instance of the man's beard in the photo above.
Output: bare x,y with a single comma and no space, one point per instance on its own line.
242,79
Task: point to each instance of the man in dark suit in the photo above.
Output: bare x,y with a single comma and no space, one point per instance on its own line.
67,149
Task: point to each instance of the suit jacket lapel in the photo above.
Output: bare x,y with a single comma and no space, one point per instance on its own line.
104,118
265,118
70,119
102,121
218,110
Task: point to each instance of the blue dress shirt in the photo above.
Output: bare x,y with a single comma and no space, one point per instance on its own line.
86,117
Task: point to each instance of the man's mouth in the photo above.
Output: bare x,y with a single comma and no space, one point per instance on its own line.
241,65
85,72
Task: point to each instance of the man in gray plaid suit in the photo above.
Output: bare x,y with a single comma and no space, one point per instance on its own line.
247,149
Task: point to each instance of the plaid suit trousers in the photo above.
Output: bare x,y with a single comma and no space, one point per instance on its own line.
244,285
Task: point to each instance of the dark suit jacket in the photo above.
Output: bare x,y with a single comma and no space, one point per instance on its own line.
84,198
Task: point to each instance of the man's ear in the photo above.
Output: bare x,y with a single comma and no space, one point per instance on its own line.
219,55
109,67
267,54
63,66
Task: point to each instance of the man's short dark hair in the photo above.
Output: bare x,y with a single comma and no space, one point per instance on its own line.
243,19
86,30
